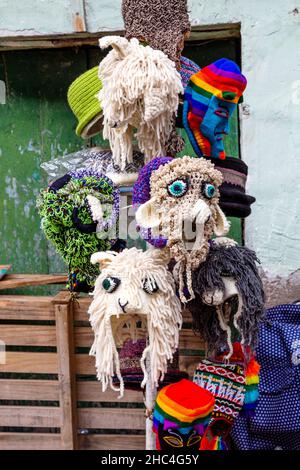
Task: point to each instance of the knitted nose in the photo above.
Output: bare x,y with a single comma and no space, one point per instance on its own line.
200,212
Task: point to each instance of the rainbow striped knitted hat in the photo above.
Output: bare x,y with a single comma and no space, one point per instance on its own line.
82,99
221,79
182,405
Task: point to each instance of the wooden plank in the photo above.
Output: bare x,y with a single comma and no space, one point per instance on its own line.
30,416
28,335
11,281
203,32
187,340
92,391
28,389
29,362
26,307
85,364
111,442
29,441
111,418
66,369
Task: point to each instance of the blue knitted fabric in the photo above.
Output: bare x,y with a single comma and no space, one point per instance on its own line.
187,69
276,423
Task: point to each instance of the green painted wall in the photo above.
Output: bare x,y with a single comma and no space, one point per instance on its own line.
36,125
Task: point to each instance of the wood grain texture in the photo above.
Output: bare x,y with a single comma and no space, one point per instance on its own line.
26,307
66,371
111,442
29,389
30,416
11,281
28,335
111,418
30,362
91,391
29,441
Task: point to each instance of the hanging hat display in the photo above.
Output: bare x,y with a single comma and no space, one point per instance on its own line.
79,213
141,88
209,100
163,24
181,414
183,191
134,282
228,272
83,101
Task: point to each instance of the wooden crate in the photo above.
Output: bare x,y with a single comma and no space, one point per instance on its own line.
50,398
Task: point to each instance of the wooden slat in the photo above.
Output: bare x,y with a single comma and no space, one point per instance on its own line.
30,416
28,335
111,442
66,369
26,307
28,389
29,441
187,340
12,281
28,362
85,364
92,391
111,418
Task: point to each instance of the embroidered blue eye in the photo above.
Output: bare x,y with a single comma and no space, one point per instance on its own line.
110,284
178,188
209,190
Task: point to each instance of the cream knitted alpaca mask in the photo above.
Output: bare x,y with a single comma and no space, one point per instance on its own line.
140,90
185,192
134,282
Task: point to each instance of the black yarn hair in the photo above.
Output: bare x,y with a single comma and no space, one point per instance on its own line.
240,263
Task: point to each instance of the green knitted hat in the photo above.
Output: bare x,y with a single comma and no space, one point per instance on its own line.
82,98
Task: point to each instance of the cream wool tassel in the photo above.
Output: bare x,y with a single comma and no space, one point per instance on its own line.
141,88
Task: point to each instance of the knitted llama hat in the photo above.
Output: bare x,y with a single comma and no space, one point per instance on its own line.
141,88
227,384
163,24
79,214
229,296
181,414
183,192
134,283
82,99
210,99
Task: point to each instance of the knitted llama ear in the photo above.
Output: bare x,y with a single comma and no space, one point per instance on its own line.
119,44
222,225
146,215
104,258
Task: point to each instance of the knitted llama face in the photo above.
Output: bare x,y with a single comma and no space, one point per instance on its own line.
210,99
140,91
183,192
134,282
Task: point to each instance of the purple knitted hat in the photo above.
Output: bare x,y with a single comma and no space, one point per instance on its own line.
141,194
